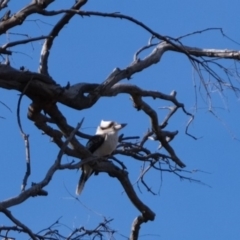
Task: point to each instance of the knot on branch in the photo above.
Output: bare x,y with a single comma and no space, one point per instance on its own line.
38,191
43,3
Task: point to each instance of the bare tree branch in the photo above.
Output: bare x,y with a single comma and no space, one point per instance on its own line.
140,104
33,191
26,141
19,17
25,41
43,67
18,223
44,112
3,4
122,176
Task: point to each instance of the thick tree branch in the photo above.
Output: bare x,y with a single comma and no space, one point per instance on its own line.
74,96
122,176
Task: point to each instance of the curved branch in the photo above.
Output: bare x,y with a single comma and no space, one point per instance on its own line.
146,213
101,14
19,17
122,176
43,68
179,48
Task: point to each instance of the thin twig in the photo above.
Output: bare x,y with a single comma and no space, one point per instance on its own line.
12,44
25,138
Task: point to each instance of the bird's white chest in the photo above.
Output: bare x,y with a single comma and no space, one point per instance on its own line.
109,145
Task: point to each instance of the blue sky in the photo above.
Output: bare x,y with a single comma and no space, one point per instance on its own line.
87,50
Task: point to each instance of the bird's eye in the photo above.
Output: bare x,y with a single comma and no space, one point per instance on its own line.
111,124
108,126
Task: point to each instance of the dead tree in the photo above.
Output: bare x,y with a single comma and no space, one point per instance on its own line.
46,93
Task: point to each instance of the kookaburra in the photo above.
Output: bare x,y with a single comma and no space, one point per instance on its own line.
103,143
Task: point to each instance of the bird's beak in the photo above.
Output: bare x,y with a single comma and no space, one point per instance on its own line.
120,126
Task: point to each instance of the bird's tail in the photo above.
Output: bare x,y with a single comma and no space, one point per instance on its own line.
86,173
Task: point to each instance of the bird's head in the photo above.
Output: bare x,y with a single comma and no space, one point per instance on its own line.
109,126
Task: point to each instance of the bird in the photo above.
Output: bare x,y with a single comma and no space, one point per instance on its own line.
102,144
